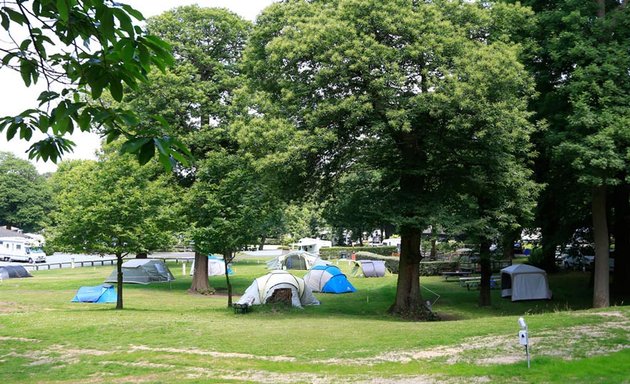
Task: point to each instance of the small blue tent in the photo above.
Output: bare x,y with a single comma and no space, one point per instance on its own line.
328,279
104,293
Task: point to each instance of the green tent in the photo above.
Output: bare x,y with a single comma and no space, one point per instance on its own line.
143,271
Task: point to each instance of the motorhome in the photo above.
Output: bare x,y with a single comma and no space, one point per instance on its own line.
21,249
312,245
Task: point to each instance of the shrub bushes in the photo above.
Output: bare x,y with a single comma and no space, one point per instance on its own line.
536,258
335,252
435,268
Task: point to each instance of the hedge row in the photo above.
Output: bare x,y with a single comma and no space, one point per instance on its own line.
427,268
435,268
335,252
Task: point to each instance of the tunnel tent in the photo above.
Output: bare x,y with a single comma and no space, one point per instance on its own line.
524,282
263,288
104,293
143,271
369,268
13,272
328,279
300,260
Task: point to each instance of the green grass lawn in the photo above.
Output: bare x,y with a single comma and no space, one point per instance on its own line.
166,335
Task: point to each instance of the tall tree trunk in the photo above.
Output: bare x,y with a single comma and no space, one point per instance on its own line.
433,254
486,272
601,297
508,240
227,258
408,296
261,246
119,281
200,282
601,8
621,275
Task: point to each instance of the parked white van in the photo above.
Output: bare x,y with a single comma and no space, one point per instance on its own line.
21,249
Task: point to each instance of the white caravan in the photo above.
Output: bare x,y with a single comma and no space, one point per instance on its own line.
21,249
312,245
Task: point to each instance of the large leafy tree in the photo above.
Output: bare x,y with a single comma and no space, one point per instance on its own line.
228,206
386,78
195,94
581,66
24,194
113,206
81,48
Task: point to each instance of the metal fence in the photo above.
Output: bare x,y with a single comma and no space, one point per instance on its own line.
69,264
93,263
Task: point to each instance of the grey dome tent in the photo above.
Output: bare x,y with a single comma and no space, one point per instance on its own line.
143,271
263,288
13,271
524,282
301,260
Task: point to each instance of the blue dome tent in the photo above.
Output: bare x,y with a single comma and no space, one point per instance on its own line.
328,279
104,293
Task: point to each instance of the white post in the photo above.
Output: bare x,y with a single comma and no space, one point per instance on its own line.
184,268
72,263
523,336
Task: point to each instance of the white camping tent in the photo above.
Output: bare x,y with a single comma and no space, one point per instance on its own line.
216,267
263,287
293,260
524,282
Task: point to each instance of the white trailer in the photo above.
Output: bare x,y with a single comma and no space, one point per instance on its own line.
21,249
312,245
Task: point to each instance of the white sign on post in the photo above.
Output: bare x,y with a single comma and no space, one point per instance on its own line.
523,337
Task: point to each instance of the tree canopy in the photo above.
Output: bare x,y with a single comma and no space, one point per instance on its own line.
25,199
407,86
580,61
81,48
112,206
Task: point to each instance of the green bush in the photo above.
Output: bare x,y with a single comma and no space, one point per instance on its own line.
536,258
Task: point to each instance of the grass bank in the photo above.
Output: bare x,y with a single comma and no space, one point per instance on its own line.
166,335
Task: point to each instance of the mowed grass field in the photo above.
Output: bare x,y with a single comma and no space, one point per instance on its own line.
166,335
